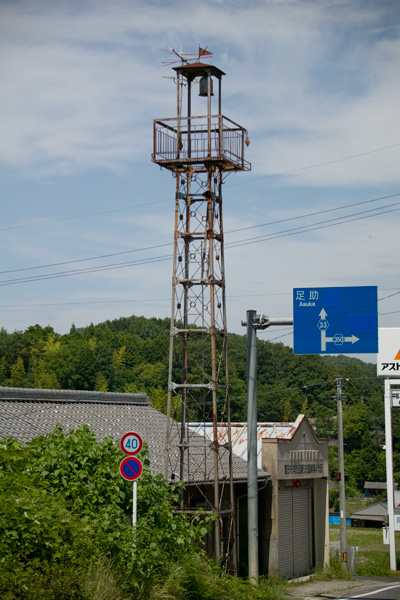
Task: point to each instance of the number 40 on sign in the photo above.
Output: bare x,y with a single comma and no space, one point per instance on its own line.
131,443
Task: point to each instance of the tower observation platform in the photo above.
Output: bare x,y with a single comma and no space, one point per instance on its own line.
200,141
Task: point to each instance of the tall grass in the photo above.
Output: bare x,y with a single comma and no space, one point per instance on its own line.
200,580
372,555
334,571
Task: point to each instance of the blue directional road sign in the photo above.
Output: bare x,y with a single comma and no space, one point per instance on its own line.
339,320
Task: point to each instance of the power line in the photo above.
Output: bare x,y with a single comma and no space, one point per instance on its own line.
323,164
305,387
319,212
253,240
70,262
94,214
269,237
84,271
308,228
127,301
247,181
130,300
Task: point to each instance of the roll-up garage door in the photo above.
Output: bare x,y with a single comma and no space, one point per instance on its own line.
295,531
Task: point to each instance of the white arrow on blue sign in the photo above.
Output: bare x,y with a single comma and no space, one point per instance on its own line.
339,320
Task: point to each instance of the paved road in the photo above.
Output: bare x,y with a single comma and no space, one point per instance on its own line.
391,592
359,588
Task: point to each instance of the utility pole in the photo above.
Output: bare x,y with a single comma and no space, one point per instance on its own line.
342,491
253,323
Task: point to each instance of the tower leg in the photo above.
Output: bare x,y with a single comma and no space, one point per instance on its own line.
198,366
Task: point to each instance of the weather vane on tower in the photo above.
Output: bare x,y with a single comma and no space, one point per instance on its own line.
187,57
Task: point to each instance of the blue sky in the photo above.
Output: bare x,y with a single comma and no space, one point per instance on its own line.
315,83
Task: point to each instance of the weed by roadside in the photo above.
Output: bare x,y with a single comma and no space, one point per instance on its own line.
372,555
200,580
334,571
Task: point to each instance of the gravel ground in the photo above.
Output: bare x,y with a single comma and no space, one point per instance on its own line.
308,590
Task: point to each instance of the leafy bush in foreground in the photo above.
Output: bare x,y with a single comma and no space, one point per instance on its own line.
66,529
66,513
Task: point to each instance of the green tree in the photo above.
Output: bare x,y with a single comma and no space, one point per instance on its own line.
74,364
356,422
3,371
101,384
18,374
366,464
287,411
42,378
119,357
304,407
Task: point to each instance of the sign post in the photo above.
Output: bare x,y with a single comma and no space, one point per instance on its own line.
389,475
254,322
388,366
331,321
340,320
131,468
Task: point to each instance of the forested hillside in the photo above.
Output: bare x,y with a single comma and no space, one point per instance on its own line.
131,355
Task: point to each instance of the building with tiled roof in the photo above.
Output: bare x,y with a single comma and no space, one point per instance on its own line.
26,413
292,473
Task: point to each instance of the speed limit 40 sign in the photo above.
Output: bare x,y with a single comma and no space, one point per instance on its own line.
131,443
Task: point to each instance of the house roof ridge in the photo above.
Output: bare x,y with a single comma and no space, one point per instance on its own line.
62,395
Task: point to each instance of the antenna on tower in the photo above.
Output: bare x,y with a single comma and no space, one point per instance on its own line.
187,57
180,54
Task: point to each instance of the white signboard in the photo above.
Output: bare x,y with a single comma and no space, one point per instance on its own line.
396,398
388,363
397,522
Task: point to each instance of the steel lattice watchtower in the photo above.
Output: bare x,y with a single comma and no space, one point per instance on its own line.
200,151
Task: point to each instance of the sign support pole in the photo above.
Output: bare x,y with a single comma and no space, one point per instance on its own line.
254,322
389,474
134,503
252,483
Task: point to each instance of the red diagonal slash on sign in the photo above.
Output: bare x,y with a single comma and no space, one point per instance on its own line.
131,468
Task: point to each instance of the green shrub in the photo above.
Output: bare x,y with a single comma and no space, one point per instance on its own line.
335,570
333,496
66,529
66,510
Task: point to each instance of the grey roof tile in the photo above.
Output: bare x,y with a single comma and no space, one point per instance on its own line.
28,413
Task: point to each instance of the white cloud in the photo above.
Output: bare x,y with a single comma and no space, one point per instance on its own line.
81,86
312,82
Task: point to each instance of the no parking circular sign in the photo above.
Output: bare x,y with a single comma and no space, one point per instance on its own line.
131,468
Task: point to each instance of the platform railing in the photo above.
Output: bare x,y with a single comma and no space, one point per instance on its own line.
198,139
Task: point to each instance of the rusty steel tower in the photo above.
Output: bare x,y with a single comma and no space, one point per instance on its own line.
200,151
